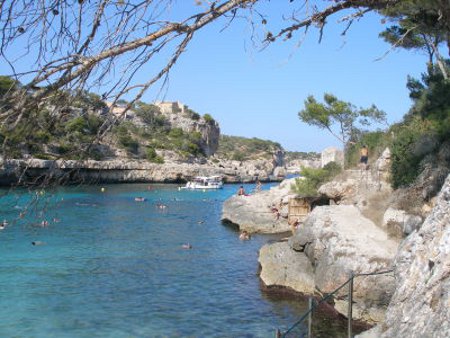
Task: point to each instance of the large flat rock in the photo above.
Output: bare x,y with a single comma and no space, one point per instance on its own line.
253,213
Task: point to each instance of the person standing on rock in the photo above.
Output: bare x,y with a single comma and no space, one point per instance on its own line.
364,152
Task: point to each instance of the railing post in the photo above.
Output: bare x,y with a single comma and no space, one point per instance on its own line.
350,304
310,303
278,333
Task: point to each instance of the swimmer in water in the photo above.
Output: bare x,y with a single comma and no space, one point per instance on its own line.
187,246
244,236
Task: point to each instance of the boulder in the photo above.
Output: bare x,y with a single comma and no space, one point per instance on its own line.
256,212
281,266
339,240
400,224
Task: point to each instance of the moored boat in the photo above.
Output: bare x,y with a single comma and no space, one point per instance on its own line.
205,182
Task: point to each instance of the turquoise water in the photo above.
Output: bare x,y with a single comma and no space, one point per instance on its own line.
112,267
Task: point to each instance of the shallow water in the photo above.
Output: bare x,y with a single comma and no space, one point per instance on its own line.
108,266
112,267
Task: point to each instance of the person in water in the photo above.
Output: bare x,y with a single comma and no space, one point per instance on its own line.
258,185
241,191
244,236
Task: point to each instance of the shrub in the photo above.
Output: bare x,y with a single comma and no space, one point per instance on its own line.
376,142
208,119
238,156
129,143
77,124
407,152
152,156
312,179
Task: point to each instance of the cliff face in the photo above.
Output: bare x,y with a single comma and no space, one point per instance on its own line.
123,171
178,117
420,306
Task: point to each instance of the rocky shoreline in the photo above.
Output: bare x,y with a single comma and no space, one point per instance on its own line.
34,171
353,235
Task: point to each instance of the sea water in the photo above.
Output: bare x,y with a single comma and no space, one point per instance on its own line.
106,265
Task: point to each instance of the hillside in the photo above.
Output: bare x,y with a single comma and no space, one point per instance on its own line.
80,125
243,149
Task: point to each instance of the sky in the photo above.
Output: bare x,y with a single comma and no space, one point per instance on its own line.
255,93
258,93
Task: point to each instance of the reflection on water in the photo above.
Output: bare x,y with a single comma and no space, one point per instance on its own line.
108,266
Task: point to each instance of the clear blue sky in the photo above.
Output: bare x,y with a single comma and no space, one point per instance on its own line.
256,93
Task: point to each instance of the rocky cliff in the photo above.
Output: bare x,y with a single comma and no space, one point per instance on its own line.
124,171
179,117
420,306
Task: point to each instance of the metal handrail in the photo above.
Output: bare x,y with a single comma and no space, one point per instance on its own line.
315,305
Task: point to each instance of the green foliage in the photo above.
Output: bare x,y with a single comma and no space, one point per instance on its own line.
88,101
312,179
209,119
150,114
176,133
424,129
406,154
7,84
69,136
87,124
301,155
376,142
418,24
152,156
124,138
241,148
238,156
344,115
77,124
192,114
332,169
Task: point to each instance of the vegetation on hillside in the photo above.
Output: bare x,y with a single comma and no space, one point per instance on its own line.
242,148
311,179
301,155
71,131
416,141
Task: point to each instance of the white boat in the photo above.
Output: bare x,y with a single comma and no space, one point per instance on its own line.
205,182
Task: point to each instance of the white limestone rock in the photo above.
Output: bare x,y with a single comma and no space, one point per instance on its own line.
420,306
344,241
254,212
281,266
